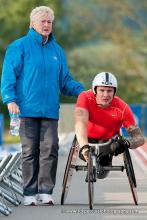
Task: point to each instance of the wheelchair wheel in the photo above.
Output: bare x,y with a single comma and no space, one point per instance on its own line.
90,181
130,175
69,169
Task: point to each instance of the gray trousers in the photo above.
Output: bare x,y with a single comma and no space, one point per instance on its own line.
39,141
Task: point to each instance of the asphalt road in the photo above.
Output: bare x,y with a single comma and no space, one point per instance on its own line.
113,199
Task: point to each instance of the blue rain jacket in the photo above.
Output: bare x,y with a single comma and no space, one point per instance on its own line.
34,75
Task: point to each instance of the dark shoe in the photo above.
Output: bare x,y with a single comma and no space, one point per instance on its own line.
104,161
102,174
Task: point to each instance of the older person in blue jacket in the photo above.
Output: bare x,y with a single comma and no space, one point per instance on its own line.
34,74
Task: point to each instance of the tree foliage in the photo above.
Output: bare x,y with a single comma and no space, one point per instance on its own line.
113,37
14,18
89,60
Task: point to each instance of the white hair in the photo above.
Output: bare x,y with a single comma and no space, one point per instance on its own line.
41,10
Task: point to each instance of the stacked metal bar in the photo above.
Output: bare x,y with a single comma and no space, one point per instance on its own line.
10,182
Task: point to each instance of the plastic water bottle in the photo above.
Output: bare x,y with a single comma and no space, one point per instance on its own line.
14,124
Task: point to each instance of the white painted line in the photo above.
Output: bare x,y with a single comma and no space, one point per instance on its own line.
139,162
142,152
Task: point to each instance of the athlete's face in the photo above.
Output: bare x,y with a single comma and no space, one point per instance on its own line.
104,95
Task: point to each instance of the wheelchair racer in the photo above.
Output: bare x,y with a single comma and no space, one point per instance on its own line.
100,114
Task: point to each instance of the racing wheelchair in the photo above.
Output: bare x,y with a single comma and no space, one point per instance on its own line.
95,169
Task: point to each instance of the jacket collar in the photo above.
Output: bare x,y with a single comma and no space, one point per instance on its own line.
38,37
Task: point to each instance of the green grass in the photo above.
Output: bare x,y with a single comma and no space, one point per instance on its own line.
8,139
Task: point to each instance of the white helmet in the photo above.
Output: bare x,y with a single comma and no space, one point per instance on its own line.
104,79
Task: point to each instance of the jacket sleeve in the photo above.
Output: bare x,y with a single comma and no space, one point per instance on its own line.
68,86
12,67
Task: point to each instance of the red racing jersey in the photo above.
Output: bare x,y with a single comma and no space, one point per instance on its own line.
104,123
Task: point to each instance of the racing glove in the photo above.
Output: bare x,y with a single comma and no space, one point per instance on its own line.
120,146
84,152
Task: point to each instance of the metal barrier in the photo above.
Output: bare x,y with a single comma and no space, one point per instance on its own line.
1,128
10,182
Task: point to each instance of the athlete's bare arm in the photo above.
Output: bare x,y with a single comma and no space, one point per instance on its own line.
137,138
81,121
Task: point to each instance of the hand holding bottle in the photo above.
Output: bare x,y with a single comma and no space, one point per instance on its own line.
13,108
14,118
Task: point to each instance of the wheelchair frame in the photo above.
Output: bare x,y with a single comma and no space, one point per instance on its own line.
92,168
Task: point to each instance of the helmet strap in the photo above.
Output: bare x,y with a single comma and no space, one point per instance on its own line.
114,91
95,89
